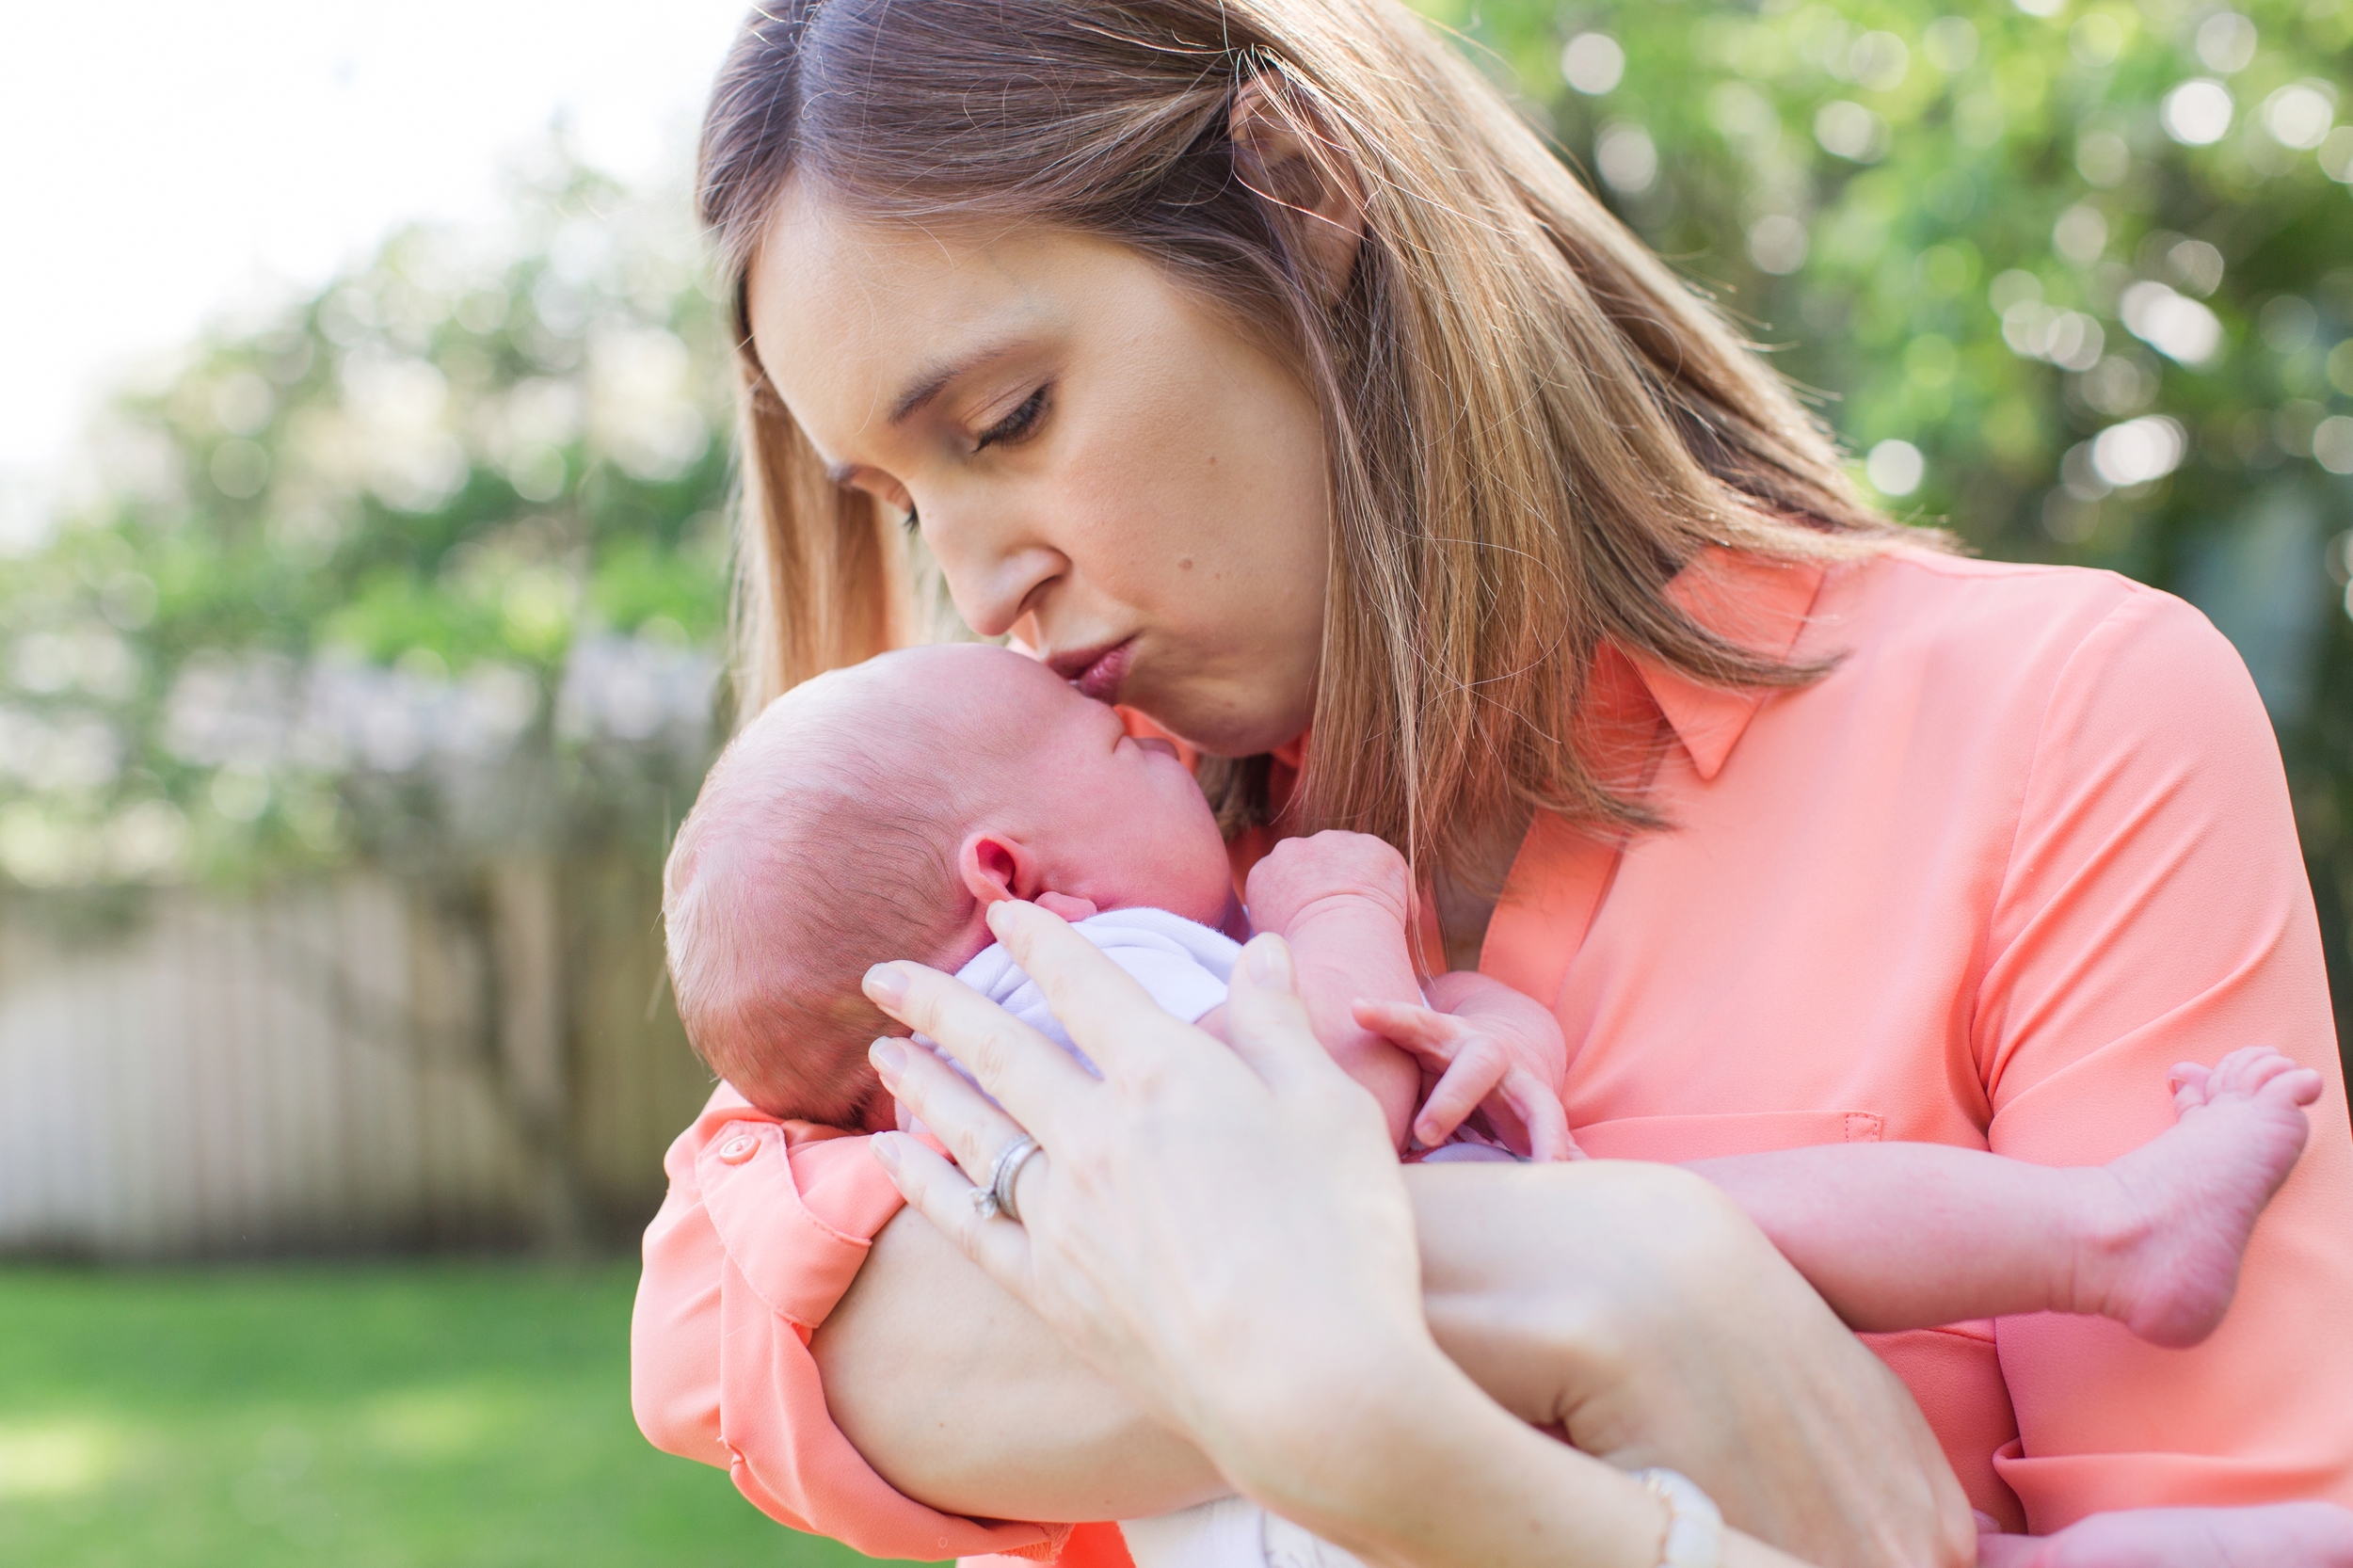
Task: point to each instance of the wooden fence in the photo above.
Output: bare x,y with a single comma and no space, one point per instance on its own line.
365,1063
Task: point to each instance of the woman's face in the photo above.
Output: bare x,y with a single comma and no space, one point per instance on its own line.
1102,465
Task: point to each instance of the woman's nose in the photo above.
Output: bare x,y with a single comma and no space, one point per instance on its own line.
991,582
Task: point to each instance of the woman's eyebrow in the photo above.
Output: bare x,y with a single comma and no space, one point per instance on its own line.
935,381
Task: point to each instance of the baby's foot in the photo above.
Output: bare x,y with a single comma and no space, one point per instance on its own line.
2190,1196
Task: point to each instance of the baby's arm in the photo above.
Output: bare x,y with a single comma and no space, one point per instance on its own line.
1342,901
1914,1235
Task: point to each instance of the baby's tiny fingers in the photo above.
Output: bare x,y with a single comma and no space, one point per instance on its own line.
1540,1112
1477,1068
1434,1036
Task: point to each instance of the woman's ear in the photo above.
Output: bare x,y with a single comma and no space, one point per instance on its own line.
994,867
1283,156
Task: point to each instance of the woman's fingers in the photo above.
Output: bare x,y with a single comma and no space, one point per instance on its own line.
1107,1012
1030,1076
1479,1067
937,1190
958,1114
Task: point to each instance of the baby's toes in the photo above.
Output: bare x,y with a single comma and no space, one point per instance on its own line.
2296,1086
2244,1072
2237,1072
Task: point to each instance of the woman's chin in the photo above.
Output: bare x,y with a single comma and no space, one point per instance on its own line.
1219,723
1222,736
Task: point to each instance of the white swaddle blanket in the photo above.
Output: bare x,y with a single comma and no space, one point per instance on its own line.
1186,968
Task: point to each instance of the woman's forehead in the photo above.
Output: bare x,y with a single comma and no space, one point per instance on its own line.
853,319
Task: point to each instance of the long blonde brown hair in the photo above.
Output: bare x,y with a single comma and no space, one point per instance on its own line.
1530,424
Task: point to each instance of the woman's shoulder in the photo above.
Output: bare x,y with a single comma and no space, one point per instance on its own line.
1996,627
1967,590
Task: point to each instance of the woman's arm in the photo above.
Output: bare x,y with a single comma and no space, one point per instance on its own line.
2155,909
1760,1394
961,1397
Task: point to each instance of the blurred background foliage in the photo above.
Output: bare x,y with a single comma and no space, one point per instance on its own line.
434,559
2072,278
428,564
423,572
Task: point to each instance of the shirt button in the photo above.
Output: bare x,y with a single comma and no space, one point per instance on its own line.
739,1148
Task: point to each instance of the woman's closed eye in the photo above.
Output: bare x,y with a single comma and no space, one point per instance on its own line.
1017,427
1012,430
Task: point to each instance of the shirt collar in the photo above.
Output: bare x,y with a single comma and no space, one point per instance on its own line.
1759,603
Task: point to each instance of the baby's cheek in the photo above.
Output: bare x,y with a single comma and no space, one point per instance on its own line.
1204,880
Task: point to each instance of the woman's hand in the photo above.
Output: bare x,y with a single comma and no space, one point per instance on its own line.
1633,1308
1221,1232
1227,1235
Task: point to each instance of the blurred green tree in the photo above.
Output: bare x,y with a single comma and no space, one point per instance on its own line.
430,561
437,555
2072,278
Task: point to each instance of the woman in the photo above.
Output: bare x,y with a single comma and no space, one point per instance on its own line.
1258,368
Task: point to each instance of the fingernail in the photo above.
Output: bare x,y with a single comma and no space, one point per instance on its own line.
1269,960
885,986
885,1147
998,913
889,1059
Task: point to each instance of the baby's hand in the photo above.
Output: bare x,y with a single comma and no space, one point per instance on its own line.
1299,874
1492,1047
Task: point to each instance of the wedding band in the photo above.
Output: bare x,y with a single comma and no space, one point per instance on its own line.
997,1199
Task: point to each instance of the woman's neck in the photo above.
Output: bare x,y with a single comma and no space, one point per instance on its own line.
1465,895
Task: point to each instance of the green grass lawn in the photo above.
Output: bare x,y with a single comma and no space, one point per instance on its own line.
410,1416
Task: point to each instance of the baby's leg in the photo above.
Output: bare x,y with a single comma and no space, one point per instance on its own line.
1913,1235
2273,1535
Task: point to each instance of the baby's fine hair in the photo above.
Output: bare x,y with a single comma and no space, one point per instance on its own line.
823,841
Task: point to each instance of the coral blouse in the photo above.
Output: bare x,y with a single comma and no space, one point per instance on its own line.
2026,846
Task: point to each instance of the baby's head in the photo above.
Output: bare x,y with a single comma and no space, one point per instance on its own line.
873,813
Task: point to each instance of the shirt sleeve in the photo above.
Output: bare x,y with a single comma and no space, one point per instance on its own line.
765,1224
2155,909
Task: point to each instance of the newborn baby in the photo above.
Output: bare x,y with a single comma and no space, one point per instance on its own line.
875,812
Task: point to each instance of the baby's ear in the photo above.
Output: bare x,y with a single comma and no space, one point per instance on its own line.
994,867
1069,909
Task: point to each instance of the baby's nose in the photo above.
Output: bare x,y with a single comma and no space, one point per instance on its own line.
1153,743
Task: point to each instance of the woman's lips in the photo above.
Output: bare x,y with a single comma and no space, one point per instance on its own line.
1096,671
